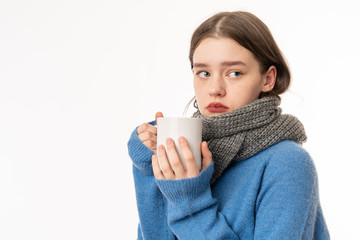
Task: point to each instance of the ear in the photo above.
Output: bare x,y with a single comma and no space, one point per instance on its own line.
269,79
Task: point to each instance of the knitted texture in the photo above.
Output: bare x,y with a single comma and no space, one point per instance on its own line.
271,195
248,130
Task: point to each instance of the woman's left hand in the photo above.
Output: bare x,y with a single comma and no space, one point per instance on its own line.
172,168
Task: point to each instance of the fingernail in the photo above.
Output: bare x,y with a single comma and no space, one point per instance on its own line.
161,148
168,140
181,139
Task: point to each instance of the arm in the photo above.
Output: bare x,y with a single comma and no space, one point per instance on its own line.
288,205
192,211
150,202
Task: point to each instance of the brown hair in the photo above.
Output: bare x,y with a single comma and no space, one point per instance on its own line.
251,33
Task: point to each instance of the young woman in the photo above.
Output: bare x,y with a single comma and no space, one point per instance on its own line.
256,182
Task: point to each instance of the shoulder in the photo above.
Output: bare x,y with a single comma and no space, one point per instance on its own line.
289,173
289,161
289,188
287,152
287,147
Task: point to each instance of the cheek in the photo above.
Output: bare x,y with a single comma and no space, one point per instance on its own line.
197,88
248,92
200,93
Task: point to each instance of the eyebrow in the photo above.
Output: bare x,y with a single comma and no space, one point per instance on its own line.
226,63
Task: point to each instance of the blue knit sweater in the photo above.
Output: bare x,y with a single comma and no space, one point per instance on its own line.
271,195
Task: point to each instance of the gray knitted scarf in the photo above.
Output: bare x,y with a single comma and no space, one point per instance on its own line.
248,130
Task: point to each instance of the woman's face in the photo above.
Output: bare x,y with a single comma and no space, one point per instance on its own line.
227,76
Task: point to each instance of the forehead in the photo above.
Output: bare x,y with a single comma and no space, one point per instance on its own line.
216,50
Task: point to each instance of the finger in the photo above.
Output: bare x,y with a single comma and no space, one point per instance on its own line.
158,115
146,127
190,164
149,140
150,145
174,159
156,168
207,156
146,136
164,163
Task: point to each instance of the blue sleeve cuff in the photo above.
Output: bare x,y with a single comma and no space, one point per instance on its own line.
188,196
139,153
175,190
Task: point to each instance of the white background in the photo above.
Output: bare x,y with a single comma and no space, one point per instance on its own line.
76,77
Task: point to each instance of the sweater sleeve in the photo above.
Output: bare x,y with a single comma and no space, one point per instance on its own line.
139,153
288,200
192,211
151,204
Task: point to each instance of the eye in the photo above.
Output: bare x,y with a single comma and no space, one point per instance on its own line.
203,74
234,74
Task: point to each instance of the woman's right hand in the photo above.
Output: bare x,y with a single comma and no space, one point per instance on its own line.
147,134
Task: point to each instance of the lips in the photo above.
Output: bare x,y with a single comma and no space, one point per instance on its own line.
216,107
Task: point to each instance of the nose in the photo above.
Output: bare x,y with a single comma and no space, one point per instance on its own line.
216,88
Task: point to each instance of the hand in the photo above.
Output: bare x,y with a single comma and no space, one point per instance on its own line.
147,134
172,168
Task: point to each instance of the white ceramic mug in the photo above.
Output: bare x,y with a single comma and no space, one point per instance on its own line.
175,127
